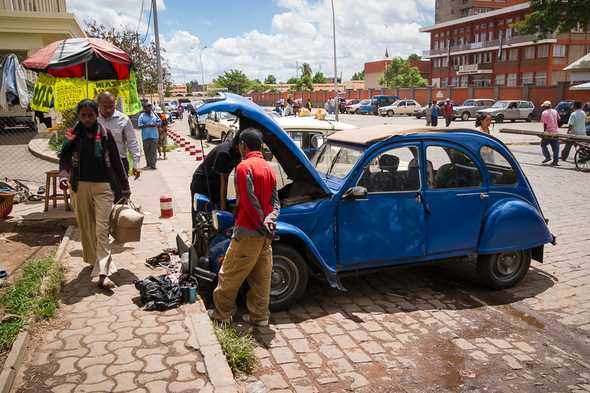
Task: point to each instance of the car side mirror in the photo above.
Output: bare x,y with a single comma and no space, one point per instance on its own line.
356,192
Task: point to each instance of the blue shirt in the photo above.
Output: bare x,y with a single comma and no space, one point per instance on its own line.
435,110
148,132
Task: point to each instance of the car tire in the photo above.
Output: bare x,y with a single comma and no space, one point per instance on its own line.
500,119
208,137
289,278
465,116
530,118
390,113
357,112
503,270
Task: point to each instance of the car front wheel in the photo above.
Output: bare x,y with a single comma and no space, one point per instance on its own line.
390,113
504,270
289,277
465,116
500,119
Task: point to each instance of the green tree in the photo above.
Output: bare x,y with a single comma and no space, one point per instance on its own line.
414,58
292,81
358,76
306,70
319,77
270,79
257,86
550,16
235,81
143,56
399,73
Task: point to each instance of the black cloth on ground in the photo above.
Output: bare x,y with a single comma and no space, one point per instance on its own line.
158,293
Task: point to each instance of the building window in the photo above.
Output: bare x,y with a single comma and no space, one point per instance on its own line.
527,78
542,51
454,81
500,80
541,79
511,80
487,57
482,36
513,56
444,82
529,52
558,50
464,81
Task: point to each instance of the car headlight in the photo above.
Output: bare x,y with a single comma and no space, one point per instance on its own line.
215,221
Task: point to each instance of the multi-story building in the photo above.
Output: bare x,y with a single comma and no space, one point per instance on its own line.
485,50
446,10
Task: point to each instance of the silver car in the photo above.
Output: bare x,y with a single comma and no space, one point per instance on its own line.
511,110
470,108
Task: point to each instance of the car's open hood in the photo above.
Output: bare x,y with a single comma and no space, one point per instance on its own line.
291,157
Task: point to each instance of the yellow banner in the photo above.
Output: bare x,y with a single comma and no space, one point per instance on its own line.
43,93
68,92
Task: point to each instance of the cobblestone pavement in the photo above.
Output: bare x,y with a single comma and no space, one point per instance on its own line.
105,342
17,162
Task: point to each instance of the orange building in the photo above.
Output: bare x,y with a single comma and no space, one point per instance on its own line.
485,50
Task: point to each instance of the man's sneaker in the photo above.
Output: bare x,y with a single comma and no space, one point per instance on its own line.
546,160
214,317
246,318
554,164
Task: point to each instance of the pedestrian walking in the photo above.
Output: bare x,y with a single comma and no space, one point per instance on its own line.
148,122
162,136
576,126
120,126
428,115
250,254
180,111
448,112
90,165
549,118
434,114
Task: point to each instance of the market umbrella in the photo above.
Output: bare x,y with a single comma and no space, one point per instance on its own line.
583,86
90,58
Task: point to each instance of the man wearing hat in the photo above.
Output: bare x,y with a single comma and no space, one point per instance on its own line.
549,118
249,255
149,122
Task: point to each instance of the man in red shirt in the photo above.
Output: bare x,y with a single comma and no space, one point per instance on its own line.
448,112
250,254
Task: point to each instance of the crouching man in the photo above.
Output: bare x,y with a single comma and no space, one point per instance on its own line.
250,254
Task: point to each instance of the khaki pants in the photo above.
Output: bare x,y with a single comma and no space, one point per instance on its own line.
92,204
248,258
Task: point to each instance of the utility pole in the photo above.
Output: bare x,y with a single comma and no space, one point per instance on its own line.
160,76
335,69
202,70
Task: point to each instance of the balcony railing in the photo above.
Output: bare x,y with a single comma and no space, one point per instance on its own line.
41,6
485,44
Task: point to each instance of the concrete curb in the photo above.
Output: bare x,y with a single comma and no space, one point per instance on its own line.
38,151
202,338
16,355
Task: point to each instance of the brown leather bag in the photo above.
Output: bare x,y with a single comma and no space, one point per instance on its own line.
125,222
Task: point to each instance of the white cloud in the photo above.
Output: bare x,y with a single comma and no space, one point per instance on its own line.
114,13
301,32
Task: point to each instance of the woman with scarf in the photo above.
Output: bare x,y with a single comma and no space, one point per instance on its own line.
90,164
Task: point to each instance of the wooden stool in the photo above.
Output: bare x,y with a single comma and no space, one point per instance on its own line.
51,180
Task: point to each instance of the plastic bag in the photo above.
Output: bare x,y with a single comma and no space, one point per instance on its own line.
158,293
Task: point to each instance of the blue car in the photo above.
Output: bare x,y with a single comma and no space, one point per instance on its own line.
385,197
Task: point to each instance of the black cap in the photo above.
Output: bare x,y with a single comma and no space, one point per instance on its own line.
252,138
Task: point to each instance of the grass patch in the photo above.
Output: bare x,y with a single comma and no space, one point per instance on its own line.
237,347
33,297
171,147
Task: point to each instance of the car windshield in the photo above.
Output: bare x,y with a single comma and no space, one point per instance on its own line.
500,104
365,102
336,160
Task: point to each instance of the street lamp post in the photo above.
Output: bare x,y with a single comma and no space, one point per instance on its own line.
336,101
202,72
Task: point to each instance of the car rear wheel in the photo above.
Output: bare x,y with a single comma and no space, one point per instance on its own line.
356,112
209,139
504,270
289,278
500,119
390,113
465,116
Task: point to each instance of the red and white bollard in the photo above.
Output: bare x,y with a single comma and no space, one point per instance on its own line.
166,210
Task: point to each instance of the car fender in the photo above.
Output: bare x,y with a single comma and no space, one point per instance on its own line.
284,231
511,225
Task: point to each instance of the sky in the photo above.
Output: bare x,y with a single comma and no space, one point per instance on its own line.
262,37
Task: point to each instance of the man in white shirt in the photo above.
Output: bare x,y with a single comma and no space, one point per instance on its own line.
121,128
576,126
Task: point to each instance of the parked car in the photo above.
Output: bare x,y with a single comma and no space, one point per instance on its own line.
420,113
385,197
347,104
565,109
400,107
172,108
220,124
356,108
470,107
381,101
511,110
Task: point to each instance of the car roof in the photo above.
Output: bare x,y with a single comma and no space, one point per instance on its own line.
370,135
311,123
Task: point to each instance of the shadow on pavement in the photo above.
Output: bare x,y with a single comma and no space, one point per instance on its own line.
83,286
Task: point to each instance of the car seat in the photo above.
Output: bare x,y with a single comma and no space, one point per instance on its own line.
386,179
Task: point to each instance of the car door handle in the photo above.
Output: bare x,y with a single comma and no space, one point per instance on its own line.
482,195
